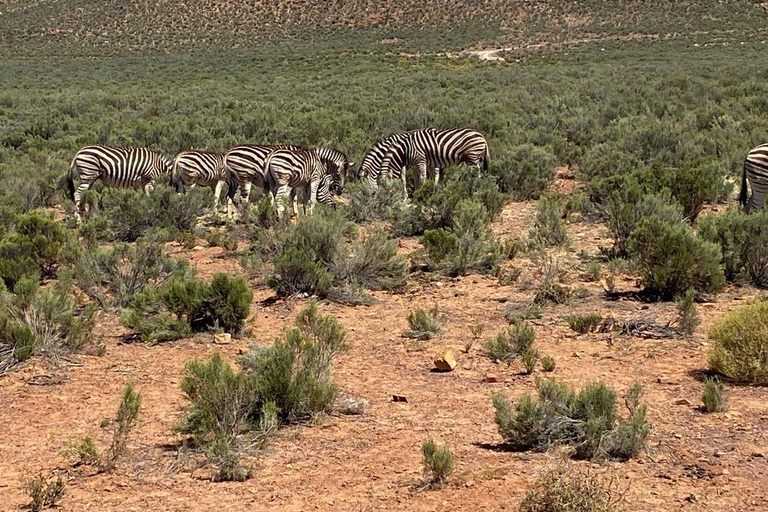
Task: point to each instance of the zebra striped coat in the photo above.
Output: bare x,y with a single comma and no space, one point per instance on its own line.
436,149
246,164
370,169
288,169
756,172
120,167
204,168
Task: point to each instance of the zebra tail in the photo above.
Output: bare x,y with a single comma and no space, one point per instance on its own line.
71,179
232,184
486,158
743,192
174,179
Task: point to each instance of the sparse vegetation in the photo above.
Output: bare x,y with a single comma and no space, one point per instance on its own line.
584,324
549,228
516,341
742,240
44,493
425,324
548,364
687,315
564,487
714,395
438,463
586,421
741,343
124,422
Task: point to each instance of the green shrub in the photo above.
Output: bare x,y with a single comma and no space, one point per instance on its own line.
592,272
187,305
548,364
584,324
33,249
438,463
374,264
587,421
687,316
526,171
547,290
511,343
740,349
295,273
113,277
82,451
549,227
368,206
529,358
714,396
567,488
43,493
125,421
742,240
673,260
425,324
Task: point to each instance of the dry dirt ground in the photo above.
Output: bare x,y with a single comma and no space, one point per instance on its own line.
695,461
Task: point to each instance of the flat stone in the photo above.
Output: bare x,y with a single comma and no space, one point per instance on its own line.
682,401
493,377
399,398
446,363
222,338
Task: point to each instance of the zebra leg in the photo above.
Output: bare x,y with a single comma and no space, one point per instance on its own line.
149,187
78,198
755,202
216,194
404,182
422,172
245,193
283,193
313,186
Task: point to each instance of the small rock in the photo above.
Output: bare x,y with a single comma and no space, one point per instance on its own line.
197,248
758,455
692,498
399,398
222,338
719,454
492,377
446,363
682,401
726,472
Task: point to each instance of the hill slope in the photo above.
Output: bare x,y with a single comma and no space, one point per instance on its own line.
96,27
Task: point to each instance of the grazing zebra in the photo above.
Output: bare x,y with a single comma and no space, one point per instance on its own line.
288,169
204,168
436,149
115,167
370,169
756,171
246,164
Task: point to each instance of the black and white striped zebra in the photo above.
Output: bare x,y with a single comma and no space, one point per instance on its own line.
288,169
246,164
370,169
121,167
435,149
204,168
756,171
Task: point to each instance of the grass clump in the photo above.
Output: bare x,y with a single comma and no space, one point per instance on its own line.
548,364
287,383
740,349
687,316
82,451
438,463
123,424
186,305
425,324
672,259
714,396
565,488
515,341
31,245
586,421
549,228
742,240
44,493
584,324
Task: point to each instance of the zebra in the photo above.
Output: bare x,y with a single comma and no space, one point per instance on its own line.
437,149
370,169
756,171
288,169
122,167
246,164
205,168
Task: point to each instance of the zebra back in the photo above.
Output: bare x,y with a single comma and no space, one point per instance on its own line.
198,167
756,172
119,166
246,162
438,148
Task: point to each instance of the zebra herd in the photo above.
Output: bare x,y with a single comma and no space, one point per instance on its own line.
318,173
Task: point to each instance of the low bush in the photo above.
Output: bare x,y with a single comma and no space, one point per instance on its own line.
547,290
81,451
742,240
289,382
526,171
374,264
366,205
296,273
44,493
32,246
438,463
113,277
740,344
549,228
564,487
425,324
687,316
672,259
714,396
47,321
129,214
584,324
123,424
185,305
587,421
511,343
548,364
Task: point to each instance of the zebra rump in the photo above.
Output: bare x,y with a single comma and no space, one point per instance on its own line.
756,172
